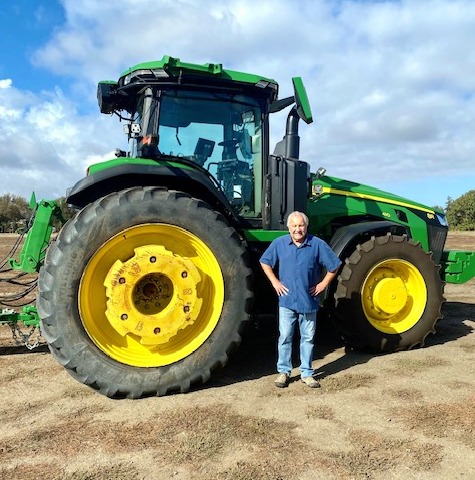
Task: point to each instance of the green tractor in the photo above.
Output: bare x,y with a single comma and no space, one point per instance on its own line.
148,288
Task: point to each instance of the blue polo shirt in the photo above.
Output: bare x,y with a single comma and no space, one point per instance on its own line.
299,268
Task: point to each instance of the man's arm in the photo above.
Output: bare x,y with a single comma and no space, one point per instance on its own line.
279,287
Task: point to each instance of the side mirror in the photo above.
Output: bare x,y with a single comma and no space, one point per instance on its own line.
107,98
303,106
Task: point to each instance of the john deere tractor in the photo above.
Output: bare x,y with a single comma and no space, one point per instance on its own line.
147,289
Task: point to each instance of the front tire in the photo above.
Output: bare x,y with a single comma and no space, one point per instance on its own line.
144,292
389,295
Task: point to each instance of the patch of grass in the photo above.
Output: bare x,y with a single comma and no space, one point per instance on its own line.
320,412
202,439
79,392
347,381
455,420
30,472
459,385
372,453
203,432
119,471
70,436
262,470
84,411
16,414
214,442
24,471
468,347
409,394
207,439
409,365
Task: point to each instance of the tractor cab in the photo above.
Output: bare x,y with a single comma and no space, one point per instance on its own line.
217,121
220,132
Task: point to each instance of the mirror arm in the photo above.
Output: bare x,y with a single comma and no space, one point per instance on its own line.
279,105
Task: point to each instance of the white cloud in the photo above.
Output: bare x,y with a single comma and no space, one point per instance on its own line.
392,84
6,83
44,144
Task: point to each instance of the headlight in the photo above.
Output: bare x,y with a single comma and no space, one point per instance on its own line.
138,74
442,219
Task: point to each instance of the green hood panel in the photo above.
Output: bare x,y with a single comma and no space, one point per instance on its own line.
338,186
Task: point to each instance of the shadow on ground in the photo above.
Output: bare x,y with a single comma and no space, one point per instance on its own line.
454,323
256,356
22,350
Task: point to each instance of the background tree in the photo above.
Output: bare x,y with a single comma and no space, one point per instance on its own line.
66,211
14,210
461,212
448,203
15,213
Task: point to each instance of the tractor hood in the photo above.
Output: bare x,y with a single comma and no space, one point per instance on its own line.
336,186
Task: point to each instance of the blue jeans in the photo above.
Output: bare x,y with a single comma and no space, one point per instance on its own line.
307,323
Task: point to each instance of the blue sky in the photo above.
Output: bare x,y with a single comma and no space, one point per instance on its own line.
391,83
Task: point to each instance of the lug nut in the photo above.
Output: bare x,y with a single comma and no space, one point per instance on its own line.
156,330
153,259
124,316
122,280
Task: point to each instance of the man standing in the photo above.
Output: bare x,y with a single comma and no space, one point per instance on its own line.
300,258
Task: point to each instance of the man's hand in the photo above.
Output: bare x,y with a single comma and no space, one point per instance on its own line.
319,287
280,288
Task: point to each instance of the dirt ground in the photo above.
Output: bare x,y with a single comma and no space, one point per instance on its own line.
408,415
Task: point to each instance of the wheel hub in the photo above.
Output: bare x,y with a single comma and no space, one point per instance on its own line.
152,295
389,295
394,296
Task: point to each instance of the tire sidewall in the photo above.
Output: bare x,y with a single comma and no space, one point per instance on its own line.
351,318
86,233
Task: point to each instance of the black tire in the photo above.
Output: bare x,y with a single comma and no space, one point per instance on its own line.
389,295
78,293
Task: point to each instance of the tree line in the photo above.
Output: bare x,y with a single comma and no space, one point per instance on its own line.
461,212
15,212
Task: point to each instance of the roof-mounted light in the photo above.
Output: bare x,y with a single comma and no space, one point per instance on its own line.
142,74
160,73
262,84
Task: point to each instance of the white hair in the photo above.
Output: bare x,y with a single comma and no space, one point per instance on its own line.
297,214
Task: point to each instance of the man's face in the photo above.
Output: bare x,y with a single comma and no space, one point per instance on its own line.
297,229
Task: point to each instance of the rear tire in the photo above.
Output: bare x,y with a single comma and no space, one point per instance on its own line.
145,291
389,295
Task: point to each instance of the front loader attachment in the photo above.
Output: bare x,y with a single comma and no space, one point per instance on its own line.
457,266
31,258
38,236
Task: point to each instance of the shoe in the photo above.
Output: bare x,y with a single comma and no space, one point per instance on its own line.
282,380
311,382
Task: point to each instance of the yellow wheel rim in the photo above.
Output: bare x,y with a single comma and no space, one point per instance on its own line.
151,295
394,296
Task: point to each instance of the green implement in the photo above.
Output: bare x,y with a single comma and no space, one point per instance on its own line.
38,237
28,316
457,266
